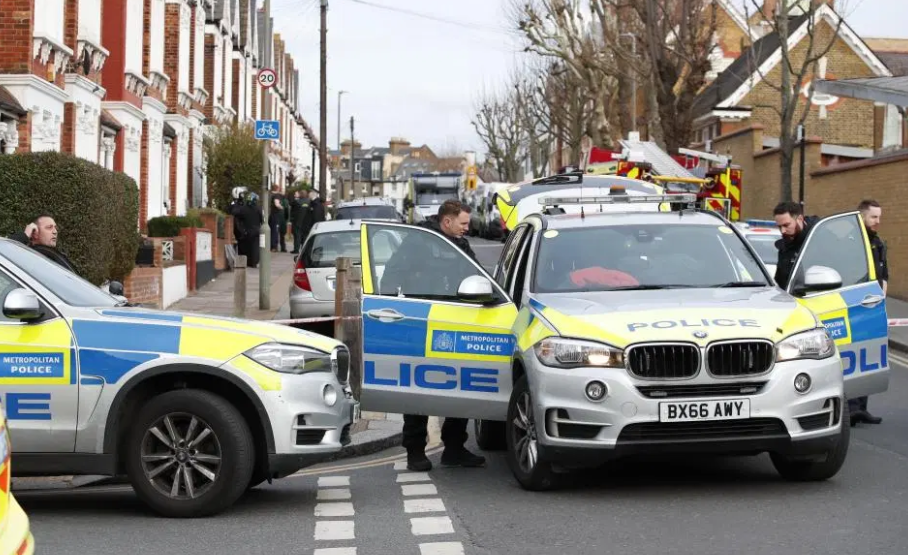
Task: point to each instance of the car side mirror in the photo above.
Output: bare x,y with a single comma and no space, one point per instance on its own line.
116,288
475,289
818,279
22,304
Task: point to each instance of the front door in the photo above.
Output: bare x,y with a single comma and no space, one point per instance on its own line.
855,314
425,350
38,379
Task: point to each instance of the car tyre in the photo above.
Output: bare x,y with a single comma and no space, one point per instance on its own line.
532,471
205,447
490,435
810,471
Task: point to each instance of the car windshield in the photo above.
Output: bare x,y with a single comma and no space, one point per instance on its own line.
367,212
325,248
643,256
434,198
765,245
69,287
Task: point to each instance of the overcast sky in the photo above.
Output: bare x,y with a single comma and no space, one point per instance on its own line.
413,76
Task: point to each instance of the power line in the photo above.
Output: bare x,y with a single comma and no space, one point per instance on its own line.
463,24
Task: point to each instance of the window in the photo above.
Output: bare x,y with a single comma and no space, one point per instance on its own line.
651,256
325,248
422,265
366,212
7,284
72,289
837,243
508,255
765,245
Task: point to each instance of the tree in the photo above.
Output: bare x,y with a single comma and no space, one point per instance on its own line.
499,124
234,160
798,64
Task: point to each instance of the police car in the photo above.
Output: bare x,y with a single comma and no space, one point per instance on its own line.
193,409
15,533
606,334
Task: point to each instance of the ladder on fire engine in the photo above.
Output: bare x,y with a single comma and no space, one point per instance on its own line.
635,150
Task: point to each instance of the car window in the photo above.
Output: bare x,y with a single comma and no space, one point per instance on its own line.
508,255
69,287
642,255
838,244
7,284
367,212
325,248
765,245
422,265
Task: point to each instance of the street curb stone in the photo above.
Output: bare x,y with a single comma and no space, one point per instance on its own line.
898,345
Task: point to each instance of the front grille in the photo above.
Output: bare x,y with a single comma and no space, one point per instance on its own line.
719,429
577,431
815,422
705,390
309,437
743,358
341,361
664,361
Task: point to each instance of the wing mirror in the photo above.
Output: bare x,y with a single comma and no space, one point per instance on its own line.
115,288
476,289
817,279
22,304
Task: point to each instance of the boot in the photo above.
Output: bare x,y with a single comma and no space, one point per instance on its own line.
459,456
418,462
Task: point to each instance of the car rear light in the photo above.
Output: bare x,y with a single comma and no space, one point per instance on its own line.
300,277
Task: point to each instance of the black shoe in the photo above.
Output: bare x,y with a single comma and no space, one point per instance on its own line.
858,416
461,457
871,419
418,462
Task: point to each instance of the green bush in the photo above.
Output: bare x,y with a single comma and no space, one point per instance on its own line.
234,160
170,226
96,210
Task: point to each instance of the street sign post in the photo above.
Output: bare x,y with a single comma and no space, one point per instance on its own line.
267,78
267,129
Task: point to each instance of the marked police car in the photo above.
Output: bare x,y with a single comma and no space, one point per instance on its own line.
193,409
609,334
15,533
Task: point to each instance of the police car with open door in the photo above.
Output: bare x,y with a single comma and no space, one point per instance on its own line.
668,336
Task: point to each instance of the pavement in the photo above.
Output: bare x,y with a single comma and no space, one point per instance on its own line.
898,336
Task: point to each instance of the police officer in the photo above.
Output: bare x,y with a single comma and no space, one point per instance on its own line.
871,212
453,222
789,216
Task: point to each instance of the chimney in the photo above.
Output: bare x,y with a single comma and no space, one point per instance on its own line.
345,147
397,144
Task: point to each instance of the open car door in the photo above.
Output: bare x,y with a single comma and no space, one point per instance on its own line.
437,334
854,311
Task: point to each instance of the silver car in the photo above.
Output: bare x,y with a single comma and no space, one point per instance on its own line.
763,238
628,332
369,208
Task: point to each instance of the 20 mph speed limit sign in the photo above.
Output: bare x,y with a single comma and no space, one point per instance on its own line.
267,78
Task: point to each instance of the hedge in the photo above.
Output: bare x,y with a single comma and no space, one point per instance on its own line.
96,210
170,226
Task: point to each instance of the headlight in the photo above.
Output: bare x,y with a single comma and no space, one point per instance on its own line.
290,359
814,344
572,353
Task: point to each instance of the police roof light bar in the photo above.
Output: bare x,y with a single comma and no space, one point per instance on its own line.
616,199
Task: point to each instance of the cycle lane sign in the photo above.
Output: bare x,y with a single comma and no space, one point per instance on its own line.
267,129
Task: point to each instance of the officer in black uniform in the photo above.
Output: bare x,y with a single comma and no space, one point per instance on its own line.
795,227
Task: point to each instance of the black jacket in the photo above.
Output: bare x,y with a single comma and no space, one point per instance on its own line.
789,251
52,253
461,242
880,257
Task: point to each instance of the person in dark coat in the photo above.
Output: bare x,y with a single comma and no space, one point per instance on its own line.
41,235
299,206
795,227
247,225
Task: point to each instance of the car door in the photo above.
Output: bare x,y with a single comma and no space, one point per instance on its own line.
426,350
38,377
855,313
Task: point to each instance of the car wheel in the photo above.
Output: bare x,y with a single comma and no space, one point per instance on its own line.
490,435
531,471
189,454
810,471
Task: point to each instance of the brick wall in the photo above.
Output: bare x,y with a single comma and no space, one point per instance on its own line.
68,129
190,169
16,39
237,83
145,285
25,132
172,57
209,76
174,147
849,121
143,178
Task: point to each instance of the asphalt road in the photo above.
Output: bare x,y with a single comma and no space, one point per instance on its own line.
487,252
373,506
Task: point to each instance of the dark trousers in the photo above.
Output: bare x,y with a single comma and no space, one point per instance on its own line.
248,246
856,404
297,238
279,235
453,432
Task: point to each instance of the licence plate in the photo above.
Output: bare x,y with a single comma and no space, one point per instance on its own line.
698,411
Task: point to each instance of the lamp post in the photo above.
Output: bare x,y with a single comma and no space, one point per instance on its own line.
339,93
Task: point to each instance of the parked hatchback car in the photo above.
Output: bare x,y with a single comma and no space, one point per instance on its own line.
763,238
369,208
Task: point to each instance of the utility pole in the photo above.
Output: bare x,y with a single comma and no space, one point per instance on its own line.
339,93
265,236
352,159
323,116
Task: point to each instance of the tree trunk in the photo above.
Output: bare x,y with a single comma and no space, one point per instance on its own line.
786,163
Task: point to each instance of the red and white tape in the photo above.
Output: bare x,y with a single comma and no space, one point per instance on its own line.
898,322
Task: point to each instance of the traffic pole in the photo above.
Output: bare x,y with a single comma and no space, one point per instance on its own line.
265,236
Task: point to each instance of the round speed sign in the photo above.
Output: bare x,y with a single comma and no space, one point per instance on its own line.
267,78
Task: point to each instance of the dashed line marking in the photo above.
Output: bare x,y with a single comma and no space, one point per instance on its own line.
333,481
400,465
431,505
333,509
413,477
333,494
334,530
410,490
338,551
441,548
431,525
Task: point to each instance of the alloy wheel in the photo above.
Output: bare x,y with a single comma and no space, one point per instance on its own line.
525,434
181,456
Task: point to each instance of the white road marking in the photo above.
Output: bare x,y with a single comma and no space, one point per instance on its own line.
419,489
333,481
333,509
432,505
441,548
339,551
333,494
899,359
430,525
413,477
400,465
334,530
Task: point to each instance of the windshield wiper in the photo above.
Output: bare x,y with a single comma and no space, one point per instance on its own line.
741,284
648,287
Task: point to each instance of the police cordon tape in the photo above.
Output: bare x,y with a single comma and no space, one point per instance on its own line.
893,322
